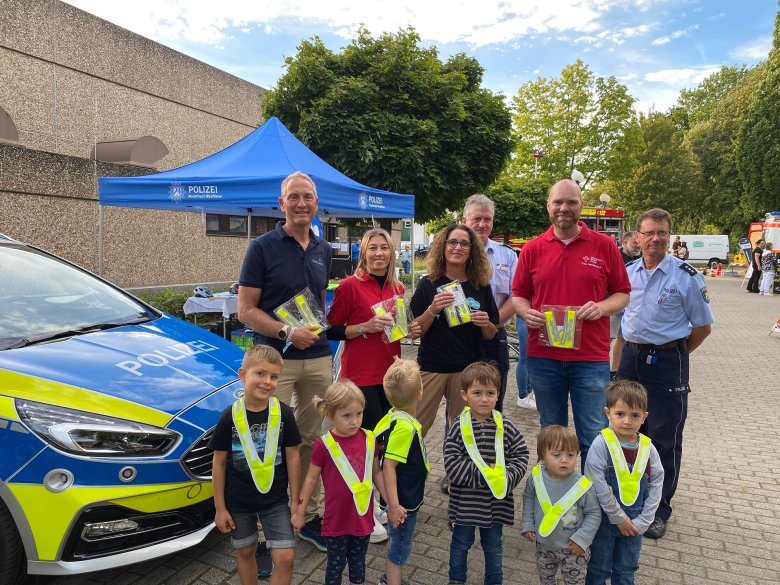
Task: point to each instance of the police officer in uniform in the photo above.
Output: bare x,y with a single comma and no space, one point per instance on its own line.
478,213
667,318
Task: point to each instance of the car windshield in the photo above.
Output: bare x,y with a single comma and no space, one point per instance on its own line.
42,297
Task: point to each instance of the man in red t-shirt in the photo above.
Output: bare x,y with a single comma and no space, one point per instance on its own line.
570,265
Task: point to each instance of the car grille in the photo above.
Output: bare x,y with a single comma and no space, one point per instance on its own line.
197,460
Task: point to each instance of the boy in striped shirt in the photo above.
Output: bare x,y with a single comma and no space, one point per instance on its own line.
485,457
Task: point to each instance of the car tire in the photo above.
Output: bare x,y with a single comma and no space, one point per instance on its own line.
12,559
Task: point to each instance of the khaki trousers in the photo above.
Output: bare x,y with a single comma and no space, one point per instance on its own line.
436,385
299,382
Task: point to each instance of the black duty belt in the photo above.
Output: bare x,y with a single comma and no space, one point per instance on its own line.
644,346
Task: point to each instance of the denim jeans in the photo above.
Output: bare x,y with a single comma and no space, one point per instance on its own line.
521,372
401,539
553,381
612,555
492,547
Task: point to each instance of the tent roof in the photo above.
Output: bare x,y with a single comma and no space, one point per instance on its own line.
247,176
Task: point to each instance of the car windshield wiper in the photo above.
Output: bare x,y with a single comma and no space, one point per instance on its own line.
52,336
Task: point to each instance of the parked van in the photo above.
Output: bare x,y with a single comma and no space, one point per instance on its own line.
706,248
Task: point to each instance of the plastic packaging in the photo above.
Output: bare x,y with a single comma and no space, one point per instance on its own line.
402,317
302,311
459,311
562,328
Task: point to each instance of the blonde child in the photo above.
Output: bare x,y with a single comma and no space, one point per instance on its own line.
562,535
344,457
404,463
256,461
627,477
485,457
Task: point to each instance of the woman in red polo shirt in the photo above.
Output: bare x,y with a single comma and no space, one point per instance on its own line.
366,357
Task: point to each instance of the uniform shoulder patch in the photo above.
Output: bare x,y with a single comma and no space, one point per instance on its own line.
689,269
508,247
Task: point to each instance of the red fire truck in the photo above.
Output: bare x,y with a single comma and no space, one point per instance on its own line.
600,219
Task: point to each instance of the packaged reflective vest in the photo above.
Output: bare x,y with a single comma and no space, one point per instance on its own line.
361,490
262,469
554,512
494,476
628,480
395,415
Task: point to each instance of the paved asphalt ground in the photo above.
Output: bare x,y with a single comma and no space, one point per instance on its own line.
726,522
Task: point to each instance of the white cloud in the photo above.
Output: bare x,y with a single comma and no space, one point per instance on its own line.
754,50
683,77
477,23
675,35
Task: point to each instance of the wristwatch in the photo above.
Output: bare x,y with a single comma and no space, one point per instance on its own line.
282,333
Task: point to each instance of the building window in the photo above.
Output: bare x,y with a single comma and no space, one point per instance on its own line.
235,225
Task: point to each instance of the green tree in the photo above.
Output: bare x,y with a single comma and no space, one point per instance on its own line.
579,121
392,115
668,175
520,206
698,104
758,152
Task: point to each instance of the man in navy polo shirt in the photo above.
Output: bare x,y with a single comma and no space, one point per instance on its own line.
277,266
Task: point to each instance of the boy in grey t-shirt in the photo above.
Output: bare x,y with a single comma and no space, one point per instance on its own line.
560,541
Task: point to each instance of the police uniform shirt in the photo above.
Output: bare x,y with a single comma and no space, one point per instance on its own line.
666,302
503,260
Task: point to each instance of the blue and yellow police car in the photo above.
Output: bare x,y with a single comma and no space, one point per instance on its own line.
106,407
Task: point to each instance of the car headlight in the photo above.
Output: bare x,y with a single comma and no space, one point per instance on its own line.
95,435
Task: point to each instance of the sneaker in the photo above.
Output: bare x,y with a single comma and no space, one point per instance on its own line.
381,516
656,529
311,533
265,566
379,534
444,485
528,402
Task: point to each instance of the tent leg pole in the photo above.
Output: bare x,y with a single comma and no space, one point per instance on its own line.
100,240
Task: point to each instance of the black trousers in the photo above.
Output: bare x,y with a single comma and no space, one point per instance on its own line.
497,350
755,279
665,375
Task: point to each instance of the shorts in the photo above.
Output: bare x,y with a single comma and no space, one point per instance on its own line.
401,540
276,527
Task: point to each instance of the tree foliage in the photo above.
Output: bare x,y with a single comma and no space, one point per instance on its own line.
579,121
758,153
520,206
391,114
699,104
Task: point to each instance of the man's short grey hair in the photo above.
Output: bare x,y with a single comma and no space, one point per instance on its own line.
656,214
627,236
298,175
480,202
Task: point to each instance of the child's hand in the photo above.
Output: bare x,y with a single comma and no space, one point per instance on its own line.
396,515
530,536
224,521
627,528
298,519
576,549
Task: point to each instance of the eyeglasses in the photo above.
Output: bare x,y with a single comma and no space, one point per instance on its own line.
465,244
651,235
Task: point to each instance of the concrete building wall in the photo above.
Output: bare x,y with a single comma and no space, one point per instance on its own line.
69,80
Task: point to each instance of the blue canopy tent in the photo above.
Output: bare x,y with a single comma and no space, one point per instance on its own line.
246,177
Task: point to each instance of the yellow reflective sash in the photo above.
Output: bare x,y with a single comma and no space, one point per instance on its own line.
554,512
394,414
495,476
562,336
262,469
361,490
628,480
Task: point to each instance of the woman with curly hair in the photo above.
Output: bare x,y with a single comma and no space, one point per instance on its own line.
457,254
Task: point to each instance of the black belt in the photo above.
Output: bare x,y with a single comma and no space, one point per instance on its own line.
670,345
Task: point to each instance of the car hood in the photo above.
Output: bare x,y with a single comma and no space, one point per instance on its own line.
165,365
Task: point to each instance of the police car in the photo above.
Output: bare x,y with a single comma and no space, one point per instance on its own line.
106,407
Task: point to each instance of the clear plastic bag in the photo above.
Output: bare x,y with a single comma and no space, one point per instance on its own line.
402,317
302,310
459,311
561,328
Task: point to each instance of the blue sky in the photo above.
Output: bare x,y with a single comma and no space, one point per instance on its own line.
654,47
